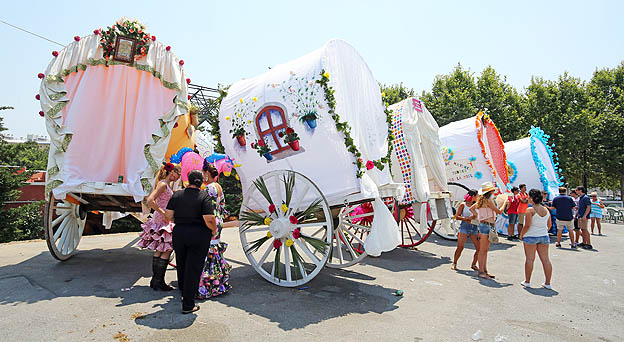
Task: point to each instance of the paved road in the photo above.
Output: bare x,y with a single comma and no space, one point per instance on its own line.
82,299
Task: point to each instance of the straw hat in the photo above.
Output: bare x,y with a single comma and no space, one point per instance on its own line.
486,187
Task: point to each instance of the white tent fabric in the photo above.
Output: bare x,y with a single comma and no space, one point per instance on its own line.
322,157
468,158
416,158
531,160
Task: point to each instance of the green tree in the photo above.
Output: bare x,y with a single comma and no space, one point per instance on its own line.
452,96
500,100
606,106
395,93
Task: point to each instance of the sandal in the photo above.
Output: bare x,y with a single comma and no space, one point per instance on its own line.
490,275
484,276
454,267
195,308
475,268
558,245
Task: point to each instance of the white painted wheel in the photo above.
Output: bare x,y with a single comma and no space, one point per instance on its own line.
64,223
351,231
309,236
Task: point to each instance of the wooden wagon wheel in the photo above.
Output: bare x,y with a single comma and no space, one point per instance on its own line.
352,229
64,223
449,228
412,232
284,251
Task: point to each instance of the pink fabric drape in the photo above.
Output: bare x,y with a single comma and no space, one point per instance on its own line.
112,113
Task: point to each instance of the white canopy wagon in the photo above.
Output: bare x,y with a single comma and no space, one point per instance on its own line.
312,139
112,101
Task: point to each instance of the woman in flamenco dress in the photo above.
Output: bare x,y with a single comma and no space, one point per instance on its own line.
215,279
157,229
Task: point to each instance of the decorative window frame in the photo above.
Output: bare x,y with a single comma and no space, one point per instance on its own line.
272,130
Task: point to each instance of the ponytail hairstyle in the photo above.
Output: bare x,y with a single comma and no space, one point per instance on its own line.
484,198
165,170
211,169
536,196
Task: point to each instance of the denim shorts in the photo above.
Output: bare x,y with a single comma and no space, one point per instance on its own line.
468,228
484,228
513,218
536,240
595,215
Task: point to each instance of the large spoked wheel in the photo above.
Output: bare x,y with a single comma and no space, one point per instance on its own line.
449,228
412,232
286,228
354,223
63,224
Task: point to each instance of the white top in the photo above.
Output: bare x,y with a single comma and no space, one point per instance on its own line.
539,226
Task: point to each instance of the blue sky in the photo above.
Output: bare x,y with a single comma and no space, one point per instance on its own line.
408,41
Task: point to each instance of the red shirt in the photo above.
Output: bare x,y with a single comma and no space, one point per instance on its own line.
522,207
513,204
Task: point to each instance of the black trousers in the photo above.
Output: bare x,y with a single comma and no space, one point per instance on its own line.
191,244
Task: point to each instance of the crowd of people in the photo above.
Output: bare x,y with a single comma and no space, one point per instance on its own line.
198,213
531,212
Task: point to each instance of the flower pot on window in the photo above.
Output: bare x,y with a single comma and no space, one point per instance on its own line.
311,123
294,145
268,156
241,140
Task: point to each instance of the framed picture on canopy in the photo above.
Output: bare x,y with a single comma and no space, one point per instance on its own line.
125,49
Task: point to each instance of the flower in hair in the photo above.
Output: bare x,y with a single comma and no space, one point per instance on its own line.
168,167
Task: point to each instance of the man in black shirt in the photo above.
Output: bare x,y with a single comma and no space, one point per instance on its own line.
193,214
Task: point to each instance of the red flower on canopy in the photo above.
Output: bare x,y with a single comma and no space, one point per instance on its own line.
37,97
168,48
154,38
261,142
293,219
96,32
277,243
55,53
370,165
296,233
188,81
41,113
40,75
272,208
77,38
289,130
181,62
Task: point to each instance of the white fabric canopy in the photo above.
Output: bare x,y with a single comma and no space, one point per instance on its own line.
469,153
527,156
416,158
291,89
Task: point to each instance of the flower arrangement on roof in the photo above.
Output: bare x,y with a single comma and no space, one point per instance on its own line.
125,27
302,93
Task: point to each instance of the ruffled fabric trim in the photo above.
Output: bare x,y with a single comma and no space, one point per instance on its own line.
79,55
156,237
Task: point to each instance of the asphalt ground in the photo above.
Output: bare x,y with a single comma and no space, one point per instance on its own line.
103,294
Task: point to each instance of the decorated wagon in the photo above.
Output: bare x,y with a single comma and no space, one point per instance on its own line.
115,103
416,161
474,153
312,140
533,162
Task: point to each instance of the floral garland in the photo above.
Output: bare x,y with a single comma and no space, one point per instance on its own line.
344,127
131,28
447,153
538,134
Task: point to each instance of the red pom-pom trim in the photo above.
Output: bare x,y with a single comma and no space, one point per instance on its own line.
168,48
38,97
55,53
77,38
188,81
40,75
96,32
181,62
41,113
188,96
153,38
